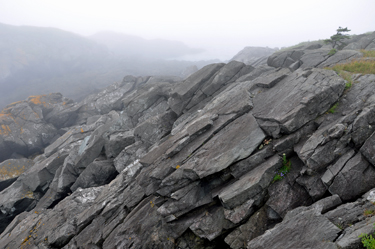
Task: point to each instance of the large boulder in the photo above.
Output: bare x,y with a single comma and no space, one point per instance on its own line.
301,228
296,100
11,169
24,130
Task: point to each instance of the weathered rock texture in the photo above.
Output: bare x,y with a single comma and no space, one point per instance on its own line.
152,162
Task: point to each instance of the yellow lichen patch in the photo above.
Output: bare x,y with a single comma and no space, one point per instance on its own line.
29,194
37,100
15,103
152,204
5,116
178,166
5,130
7,172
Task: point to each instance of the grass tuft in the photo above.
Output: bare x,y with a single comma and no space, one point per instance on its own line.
368,53
356,66
333,108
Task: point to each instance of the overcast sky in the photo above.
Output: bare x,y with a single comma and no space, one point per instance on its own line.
221,27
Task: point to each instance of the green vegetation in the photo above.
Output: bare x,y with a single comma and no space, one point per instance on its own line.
300,45
337,38
333,108
364,66
348,77
368,53
356,66
340,226
369,212
281,173
368,241
332,52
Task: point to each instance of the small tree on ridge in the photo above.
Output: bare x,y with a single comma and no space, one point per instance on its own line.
338,37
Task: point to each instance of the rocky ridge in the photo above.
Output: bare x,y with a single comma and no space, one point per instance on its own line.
155,162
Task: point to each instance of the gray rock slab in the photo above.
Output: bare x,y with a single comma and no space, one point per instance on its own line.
14,200
117,142
325,145
194,197
42,173
249,54
96,174
271,78
22,129
242,167
182,93
342,56
351,238
11,169
296,100
250,184
155,128
128,155
301,228
348,214
355,179
211,224
50,228
365,41
241,137
313,185
334,169
255,226
288,141
254,73
223,76
368,149
315,57
285,196
328,203
239,213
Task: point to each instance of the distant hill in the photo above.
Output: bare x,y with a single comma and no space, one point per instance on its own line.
35,60
131,46
254,56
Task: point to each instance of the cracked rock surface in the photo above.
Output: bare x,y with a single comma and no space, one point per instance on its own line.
234,156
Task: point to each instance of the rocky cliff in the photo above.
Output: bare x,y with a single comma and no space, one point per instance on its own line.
234,156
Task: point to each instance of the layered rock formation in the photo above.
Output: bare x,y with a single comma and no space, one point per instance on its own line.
154,162
254,56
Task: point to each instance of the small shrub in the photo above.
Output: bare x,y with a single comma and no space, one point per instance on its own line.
281,173
332,52
368,241
340,226
333,108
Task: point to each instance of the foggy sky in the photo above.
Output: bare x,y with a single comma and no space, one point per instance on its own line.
221,27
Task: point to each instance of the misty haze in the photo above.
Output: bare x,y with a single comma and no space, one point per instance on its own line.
187,124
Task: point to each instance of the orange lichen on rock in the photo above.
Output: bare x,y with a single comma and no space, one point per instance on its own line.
37,100
8,172
15,103
4,115
5,130
82,130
